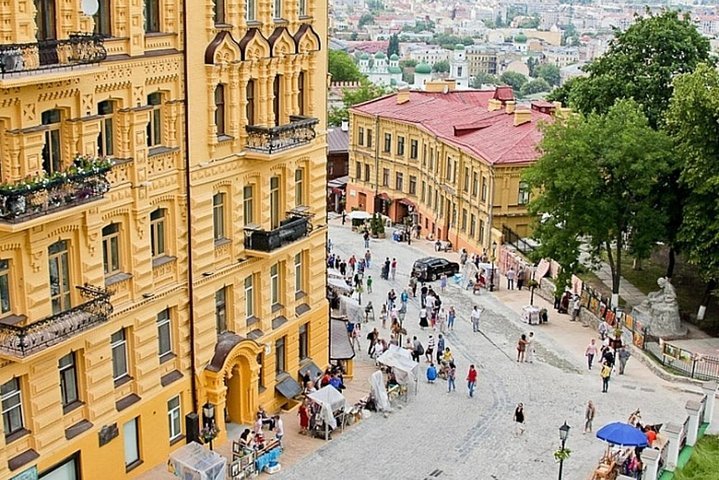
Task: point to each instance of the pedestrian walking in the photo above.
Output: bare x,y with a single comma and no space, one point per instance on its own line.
471,380
520,278
603,330
372,336
423,295
589,416
355,335
474,317
451,315
606,374
576,306
383,315
369,283
511,275
521,348
404,298
423,318
279,429
430,349
623,355
443,282
344,216
393,269
417,349
442,319
530,347
451,376
440,348
519,420
366,239
413,286
367,258
590,353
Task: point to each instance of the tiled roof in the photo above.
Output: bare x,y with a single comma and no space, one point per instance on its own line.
461,118
337,140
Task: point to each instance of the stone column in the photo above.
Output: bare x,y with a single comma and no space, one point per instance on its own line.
692,408
650,457
710,390
673,432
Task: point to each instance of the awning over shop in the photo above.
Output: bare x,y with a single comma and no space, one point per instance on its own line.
407,202
339,182
312,367
384,196
288,387
338,284
340,346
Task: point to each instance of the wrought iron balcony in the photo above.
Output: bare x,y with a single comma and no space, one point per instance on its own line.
269,140
290,230
85,181
78,49
23,341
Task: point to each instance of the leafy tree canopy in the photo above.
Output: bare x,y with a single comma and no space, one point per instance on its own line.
483,79
343,68
549,72
594,183
393,47
514,80
692,121
449,41
409,63
441,66
641,64
350,97
365,19
534,86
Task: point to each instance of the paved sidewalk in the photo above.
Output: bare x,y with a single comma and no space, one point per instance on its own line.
631,294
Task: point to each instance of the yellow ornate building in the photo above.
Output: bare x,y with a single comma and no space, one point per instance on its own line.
161,224
451,161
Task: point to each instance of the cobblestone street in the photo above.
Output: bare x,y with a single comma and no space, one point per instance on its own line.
450,436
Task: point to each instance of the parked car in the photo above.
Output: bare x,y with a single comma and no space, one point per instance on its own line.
431,268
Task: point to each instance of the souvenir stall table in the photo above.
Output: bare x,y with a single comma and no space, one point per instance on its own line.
247,462
332,406
197,463
622,439
404,368
530,315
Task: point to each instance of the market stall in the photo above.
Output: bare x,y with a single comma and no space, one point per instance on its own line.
259,457
196,462
530,315
404,368
332,405
622,440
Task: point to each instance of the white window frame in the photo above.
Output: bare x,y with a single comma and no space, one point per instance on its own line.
174,417
299,273
131,442
164,327
6,397
249,296
118,344
275,284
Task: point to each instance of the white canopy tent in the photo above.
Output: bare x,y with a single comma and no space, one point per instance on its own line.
376,381
400,359
359,215
339,285
351,309
330,400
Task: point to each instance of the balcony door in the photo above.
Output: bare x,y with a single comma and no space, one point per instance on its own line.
46,22
59,266
276,100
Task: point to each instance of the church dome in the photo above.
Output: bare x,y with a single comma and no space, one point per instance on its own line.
394,57
394,70
520,38
423,68
459,46
364,56
380,55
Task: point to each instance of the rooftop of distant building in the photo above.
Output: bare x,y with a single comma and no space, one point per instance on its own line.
463,118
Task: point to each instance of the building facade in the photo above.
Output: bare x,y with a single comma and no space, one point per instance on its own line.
156,254
451,160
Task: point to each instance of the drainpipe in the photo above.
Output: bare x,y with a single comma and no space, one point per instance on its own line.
190,277
376,162
490,199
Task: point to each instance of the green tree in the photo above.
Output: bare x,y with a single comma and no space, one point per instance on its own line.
532,64
366,19
343,68
594,183
393,47
534,86
561,94
409,63
548,72
513,79
692,122
641,63
441,66
483,79
350,97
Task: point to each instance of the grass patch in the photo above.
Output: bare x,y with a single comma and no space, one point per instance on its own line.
704,463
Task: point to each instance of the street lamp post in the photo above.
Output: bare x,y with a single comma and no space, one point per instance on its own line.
531,294
208,413
491,276
563,434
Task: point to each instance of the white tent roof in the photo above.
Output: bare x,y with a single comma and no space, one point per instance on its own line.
339,284
400,359
331,401
350,308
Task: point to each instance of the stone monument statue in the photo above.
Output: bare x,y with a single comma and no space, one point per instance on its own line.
660,311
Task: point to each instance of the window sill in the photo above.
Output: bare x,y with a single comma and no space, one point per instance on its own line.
13,319
280,21
281,375
167,357
304,18
223,26
219,242
251,320
72,406
254,23
17,435
277,307
177,439
122,380
160,149
162,260
300,294
224,138
133,465
117,278
261,389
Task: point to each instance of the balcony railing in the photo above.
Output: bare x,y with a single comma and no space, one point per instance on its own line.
290,230
78,49
85,181
299,131
20,342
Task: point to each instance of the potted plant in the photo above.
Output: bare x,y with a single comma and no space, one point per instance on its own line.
376,226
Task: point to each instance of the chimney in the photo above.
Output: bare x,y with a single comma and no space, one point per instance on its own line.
557,105
345,126
402,96
494,104
522,116
509,106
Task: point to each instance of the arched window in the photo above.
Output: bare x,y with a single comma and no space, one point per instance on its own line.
220,109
